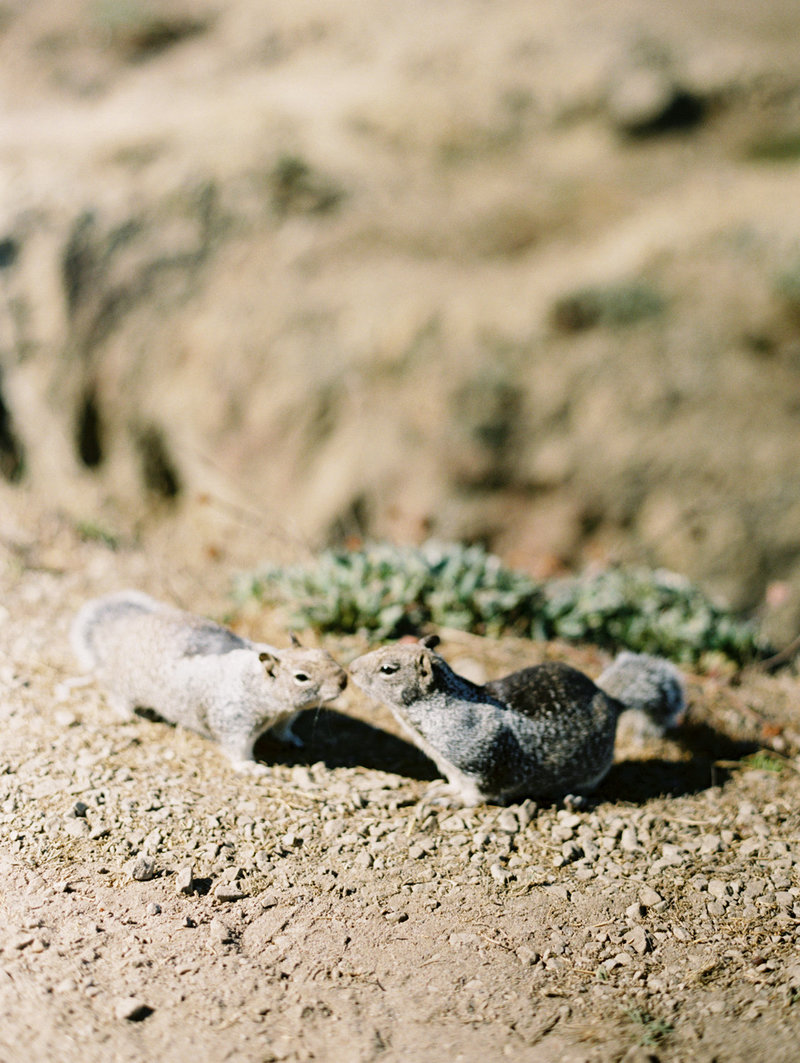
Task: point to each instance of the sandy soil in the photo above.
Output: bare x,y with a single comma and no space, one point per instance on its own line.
156,905
273,276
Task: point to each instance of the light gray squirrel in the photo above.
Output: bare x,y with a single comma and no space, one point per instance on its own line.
545,731
199,674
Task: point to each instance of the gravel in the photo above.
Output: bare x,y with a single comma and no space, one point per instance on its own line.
150,887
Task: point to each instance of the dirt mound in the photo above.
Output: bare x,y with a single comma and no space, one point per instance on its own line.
391,276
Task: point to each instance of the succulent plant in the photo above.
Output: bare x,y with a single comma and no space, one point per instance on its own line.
650,612
387,591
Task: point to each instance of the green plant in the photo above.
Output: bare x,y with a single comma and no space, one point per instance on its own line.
387,591
139,28
611,304
774,147
651,1031
297,189
787,285
92,532
763,760
648,611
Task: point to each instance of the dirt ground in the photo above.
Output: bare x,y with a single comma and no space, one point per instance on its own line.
278,276
156,905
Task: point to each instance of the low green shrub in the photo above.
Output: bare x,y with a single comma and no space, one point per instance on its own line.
388,591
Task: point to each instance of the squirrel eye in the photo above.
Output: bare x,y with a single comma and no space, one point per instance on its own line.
301,677
388,669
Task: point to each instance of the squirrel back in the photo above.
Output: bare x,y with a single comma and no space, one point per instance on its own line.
98,622
547,730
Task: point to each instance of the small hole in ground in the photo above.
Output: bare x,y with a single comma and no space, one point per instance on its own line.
12,460
158,470
89,431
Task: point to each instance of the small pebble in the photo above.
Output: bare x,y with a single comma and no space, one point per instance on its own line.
637,937
527,955
649,897
569,819
628,841
507,821
500,874
219,931
132,1009
77,828
526,812
227,890
710,843
622,959
754,888
184,879
143,869
452,823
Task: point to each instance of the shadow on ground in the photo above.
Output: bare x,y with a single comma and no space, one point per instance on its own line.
708,762
342,741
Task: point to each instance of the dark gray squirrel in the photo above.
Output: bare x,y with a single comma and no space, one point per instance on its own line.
545,731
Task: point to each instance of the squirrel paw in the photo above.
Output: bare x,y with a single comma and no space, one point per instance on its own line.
575,802
251,767
443,794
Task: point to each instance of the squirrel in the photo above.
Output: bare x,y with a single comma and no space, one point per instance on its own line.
197,673
546,731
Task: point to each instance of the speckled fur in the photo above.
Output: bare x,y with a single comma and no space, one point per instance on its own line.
650,688
544,731
199,674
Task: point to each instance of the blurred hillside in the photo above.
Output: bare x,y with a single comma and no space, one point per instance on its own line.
522,275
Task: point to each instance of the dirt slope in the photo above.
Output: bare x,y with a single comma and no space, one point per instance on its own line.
393,274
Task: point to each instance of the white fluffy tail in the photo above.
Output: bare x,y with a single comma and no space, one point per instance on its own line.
99,611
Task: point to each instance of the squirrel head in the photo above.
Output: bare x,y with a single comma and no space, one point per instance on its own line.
301,677
399,674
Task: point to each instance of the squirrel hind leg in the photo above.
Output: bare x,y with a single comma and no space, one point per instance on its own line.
121,706
240,753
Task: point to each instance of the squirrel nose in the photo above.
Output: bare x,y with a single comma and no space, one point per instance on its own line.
342,681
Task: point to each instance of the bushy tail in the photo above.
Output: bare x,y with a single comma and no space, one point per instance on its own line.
651,686
99,611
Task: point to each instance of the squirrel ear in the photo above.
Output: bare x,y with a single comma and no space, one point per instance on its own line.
424,666
295,641
270,660
430,642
